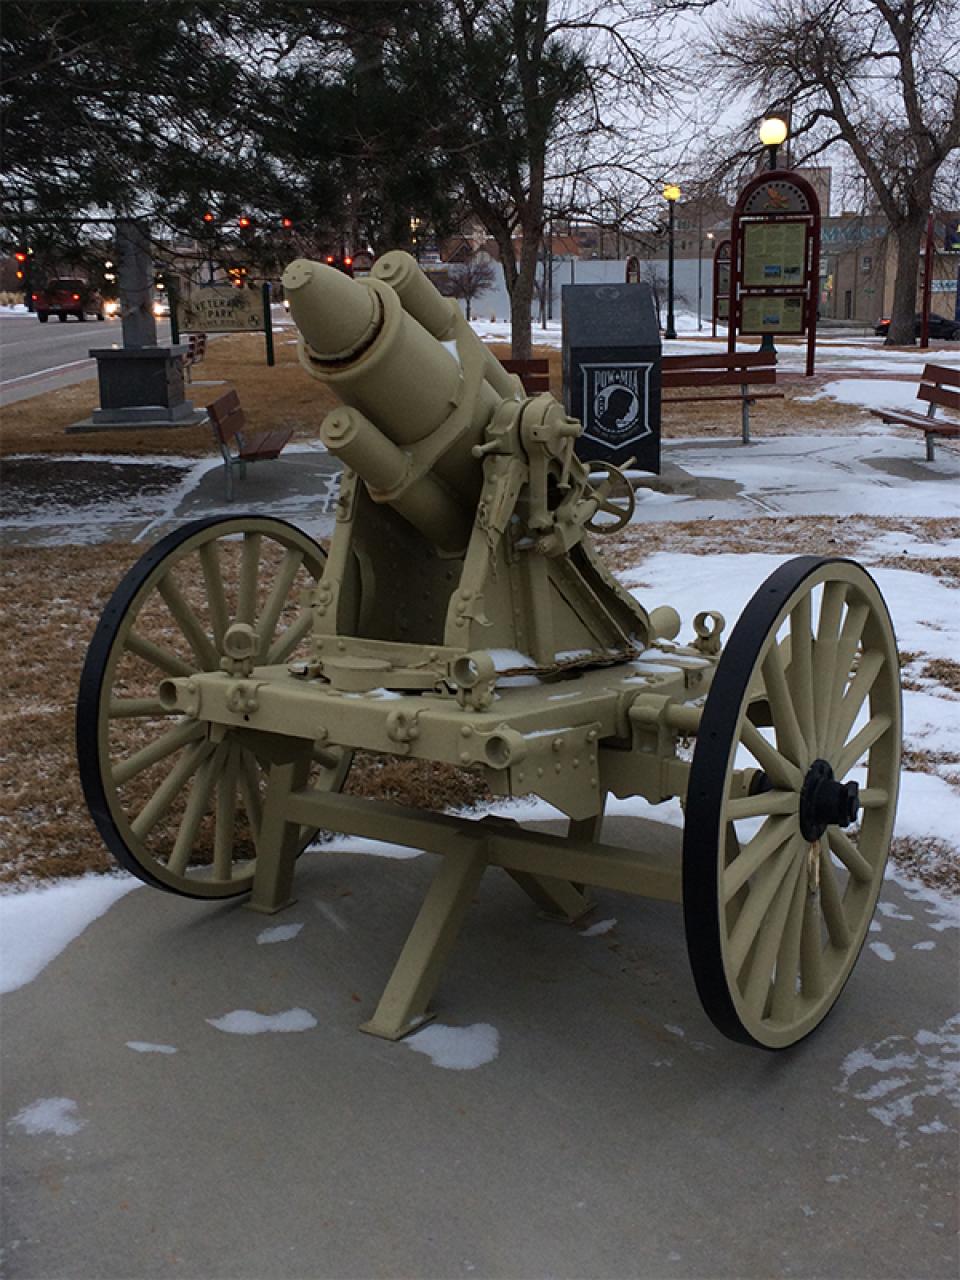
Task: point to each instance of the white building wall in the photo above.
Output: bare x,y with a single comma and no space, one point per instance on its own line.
494,304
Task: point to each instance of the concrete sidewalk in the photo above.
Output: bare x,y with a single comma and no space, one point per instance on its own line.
76,499
89,499
614,1133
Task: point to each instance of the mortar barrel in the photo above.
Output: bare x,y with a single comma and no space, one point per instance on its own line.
436,313
348,319
426,504
357,337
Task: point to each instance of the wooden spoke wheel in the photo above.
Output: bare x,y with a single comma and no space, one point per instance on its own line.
177,803
799,741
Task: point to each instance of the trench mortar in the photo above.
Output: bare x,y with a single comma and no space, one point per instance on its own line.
464,616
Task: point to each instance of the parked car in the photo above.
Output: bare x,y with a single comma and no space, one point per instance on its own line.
940,327
68,296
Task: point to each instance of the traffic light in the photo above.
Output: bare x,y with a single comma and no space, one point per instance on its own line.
340,264
209,218
22,257
244,223
287,224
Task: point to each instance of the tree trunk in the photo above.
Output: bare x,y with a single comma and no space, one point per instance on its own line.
469,316
521,300
908,236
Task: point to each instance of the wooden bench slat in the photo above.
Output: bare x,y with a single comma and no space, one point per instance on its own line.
268,445
227,403
941,373
715,377
750,397
936,426
725,360
539,365
534,374
939,396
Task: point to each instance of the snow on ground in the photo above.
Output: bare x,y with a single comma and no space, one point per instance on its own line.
457,1048
870,393
245,1022
37,924
871,472
58,1116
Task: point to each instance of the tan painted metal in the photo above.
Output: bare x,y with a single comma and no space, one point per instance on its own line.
464,616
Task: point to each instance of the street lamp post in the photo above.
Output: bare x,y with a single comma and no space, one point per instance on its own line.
699,267
773,132
671,194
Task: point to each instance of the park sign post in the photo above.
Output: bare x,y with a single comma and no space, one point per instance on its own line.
775,260
213,308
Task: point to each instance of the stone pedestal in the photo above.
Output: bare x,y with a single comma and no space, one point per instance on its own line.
140,387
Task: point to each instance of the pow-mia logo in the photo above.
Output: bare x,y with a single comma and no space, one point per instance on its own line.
616,403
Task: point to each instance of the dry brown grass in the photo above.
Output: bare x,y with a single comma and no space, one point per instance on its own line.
285,396
931,861
783,535
282,396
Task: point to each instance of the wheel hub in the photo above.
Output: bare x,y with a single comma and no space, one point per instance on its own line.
825,802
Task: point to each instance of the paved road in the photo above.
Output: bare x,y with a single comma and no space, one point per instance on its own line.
38,357
613,1134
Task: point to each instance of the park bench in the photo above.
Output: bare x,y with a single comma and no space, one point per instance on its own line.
743,369
534,374
237,445
936,382
195,353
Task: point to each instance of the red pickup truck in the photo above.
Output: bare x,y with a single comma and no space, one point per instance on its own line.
68,296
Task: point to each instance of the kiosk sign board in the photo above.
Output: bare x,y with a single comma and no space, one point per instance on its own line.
721,284
611,372
774,260
774,253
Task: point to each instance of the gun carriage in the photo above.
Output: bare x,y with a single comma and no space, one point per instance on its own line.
463,615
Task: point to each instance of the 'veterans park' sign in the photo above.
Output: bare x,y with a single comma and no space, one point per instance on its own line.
216,308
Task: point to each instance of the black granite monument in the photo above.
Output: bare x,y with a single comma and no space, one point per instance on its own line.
611,371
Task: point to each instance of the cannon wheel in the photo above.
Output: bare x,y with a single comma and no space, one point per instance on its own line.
777,896
176,804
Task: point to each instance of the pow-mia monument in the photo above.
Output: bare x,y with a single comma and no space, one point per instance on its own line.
611,372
